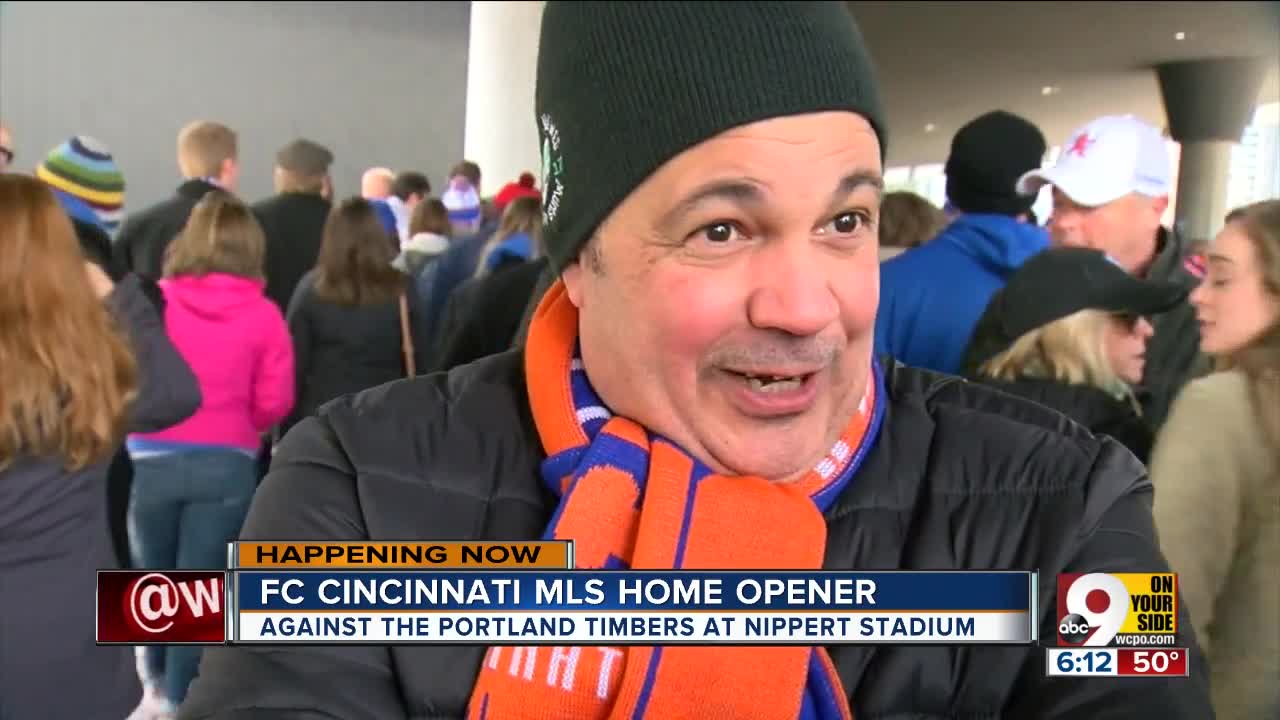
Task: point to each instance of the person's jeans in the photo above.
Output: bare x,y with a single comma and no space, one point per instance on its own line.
184,508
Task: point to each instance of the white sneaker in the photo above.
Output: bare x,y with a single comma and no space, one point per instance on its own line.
154,706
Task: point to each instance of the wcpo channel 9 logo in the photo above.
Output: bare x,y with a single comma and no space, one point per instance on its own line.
137,607
1117,609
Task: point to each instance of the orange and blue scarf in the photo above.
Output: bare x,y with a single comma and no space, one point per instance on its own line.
632,499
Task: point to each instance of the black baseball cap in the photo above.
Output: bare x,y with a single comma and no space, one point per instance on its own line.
1059,282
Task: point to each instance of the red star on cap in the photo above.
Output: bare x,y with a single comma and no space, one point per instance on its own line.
1080,144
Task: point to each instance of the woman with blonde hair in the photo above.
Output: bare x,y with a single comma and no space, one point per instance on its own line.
1069,331
82,361
1216,469
518,238
193,482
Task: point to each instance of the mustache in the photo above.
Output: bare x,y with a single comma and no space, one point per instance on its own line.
777,352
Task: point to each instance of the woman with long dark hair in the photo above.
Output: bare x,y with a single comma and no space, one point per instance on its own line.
83,360
1216,468
346,317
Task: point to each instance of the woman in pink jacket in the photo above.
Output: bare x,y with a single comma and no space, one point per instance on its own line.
193,481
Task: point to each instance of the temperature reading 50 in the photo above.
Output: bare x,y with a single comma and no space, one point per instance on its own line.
1163,662
1159,660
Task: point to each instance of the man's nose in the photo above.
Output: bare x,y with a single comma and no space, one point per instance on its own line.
1063,221
793,289
1197,296
1144,328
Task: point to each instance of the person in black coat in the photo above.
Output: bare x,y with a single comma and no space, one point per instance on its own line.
345,316
95,246
1070,331
483,315
207,156
293,220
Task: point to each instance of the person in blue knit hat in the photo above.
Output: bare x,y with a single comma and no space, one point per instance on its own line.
84,169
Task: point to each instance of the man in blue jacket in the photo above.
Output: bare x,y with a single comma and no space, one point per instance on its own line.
932,296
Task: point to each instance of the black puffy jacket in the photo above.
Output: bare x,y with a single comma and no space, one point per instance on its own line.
1093,408
145,236
960,477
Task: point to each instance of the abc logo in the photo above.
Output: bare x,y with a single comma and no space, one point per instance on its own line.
1074,628
1093,608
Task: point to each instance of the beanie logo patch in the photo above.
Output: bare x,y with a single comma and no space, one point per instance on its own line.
552,169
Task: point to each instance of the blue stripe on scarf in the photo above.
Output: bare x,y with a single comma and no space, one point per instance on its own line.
819,701
646,690
699,473
561,465
591,410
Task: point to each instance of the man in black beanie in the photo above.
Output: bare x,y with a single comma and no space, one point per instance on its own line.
698,391
932,296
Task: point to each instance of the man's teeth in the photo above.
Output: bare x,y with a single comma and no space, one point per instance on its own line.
773,384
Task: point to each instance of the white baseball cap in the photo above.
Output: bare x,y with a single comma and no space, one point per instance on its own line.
1106,160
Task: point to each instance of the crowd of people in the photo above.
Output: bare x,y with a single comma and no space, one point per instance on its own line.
714,296
231,322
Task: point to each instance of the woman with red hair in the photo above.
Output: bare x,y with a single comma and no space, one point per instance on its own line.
83,360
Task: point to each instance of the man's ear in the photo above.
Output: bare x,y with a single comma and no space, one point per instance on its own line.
1159,205
572,277
230,173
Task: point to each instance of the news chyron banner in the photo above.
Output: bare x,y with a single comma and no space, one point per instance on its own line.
174,607
1117,624
528,594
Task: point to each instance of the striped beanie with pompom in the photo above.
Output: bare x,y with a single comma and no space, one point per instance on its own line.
83,168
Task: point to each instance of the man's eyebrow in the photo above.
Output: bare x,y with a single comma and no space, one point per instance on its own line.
747,192
1215,258
738,191
854,180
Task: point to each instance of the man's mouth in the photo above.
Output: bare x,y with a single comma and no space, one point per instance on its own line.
773,383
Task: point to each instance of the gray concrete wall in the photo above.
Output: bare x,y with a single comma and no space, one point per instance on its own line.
378,82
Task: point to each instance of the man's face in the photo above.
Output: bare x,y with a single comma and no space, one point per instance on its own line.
375,185
231,174
1121,228
6,148
750,257
1125,341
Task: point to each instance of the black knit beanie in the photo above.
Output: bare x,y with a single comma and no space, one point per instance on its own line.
988,155
625,86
